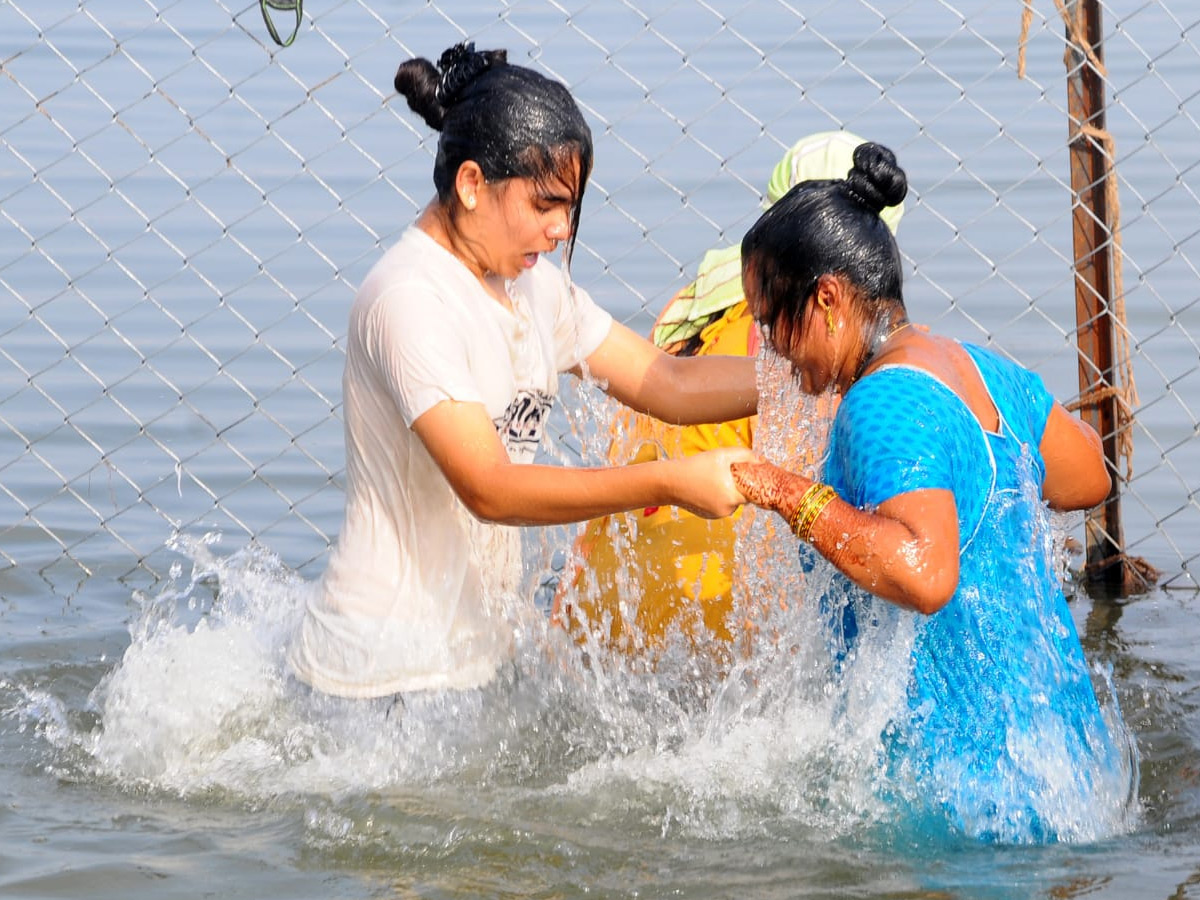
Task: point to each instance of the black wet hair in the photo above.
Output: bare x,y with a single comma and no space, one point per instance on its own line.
512,121
829,227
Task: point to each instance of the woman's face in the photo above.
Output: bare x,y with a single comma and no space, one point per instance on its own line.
518,219
804,340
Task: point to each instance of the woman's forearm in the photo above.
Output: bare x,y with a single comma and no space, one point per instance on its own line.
546,495
886,556
882,553
679,390
702,389
552,495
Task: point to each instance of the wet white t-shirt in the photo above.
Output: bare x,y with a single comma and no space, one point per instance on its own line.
418,593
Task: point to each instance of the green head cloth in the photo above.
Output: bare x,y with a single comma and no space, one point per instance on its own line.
718,284
827,154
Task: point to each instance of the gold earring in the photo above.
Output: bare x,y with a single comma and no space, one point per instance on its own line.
829,321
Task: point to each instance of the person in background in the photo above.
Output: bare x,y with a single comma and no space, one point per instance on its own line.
456,341
639,574
931,510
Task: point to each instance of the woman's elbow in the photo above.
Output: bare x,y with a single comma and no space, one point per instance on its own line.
929,602
1098,489
1093,481
662,388
480,506
931,590
1085,488
920,590
482,500
1076,470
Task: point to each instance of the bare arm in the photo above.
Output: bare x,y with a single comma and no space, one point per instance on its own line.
679,390
463,442
905,552
1076,474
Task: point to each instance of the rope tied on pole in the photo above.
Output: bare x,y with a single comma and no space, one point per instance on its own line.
1125,393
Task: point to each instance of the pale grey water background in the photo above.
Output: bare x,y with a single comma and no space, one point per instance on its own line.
190,778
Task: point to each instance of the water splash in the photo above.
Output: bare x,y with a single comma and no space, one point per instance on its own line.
767,737
1060,774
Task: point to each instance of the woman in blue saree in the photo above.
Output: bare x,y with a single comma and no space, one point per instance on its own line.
943,463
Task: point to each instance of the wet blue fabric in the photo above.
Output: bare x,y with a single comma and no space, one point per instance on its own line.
1003,736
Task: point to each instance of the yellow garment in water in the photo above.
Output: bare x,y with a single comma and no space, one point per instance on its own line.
643,572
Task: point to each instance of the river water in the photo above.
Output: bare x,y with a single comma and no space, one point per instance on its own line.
151,742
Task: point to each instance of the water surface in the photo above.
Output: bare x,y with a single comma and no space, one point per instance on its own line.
177,276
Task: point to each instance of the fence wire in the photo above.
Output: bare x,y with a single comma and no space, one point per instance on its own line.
186,209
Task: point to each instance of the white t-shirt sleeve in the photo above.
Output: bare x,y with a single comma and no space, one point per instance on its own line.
419,349
580,326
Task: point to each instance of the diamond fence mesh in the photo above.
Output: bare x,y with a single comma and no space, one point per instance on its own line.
186,209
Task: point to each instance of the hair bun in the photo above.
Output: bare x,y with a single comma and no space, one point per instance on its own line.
460,65
876,181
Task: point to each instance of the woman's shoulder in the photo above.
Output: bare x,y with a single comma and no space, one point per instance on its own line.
993,365
899,385
898,429
1020,393
415,256
902,406
415,269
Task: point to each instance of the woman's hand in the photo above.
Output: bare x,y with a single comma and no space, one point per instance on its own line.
705,484
765,484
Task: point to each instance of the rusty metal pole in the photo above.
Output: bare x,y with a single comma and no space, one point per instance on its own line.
1107,564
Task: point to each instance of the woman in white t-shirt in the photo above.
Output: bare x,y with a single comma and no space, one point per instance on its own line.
456,340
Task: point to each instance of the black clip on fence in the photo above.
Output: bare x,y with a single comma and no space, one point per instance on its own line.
281,6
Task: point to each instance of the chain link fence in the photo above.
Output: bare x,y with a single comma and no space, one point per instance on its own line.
186,209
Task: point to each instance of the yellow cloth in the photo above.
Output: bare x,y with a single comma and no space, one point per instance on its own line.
643,572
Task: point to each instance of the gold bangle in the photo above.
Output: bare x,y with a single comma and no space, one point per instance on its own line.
797,513
804,522
812,503
816,507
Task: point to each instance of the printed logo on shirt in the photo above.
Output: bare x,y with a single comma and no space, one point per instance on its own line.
520,428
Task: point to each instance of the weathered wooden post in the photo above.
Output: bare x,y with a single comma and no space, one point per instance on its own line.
1097,285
